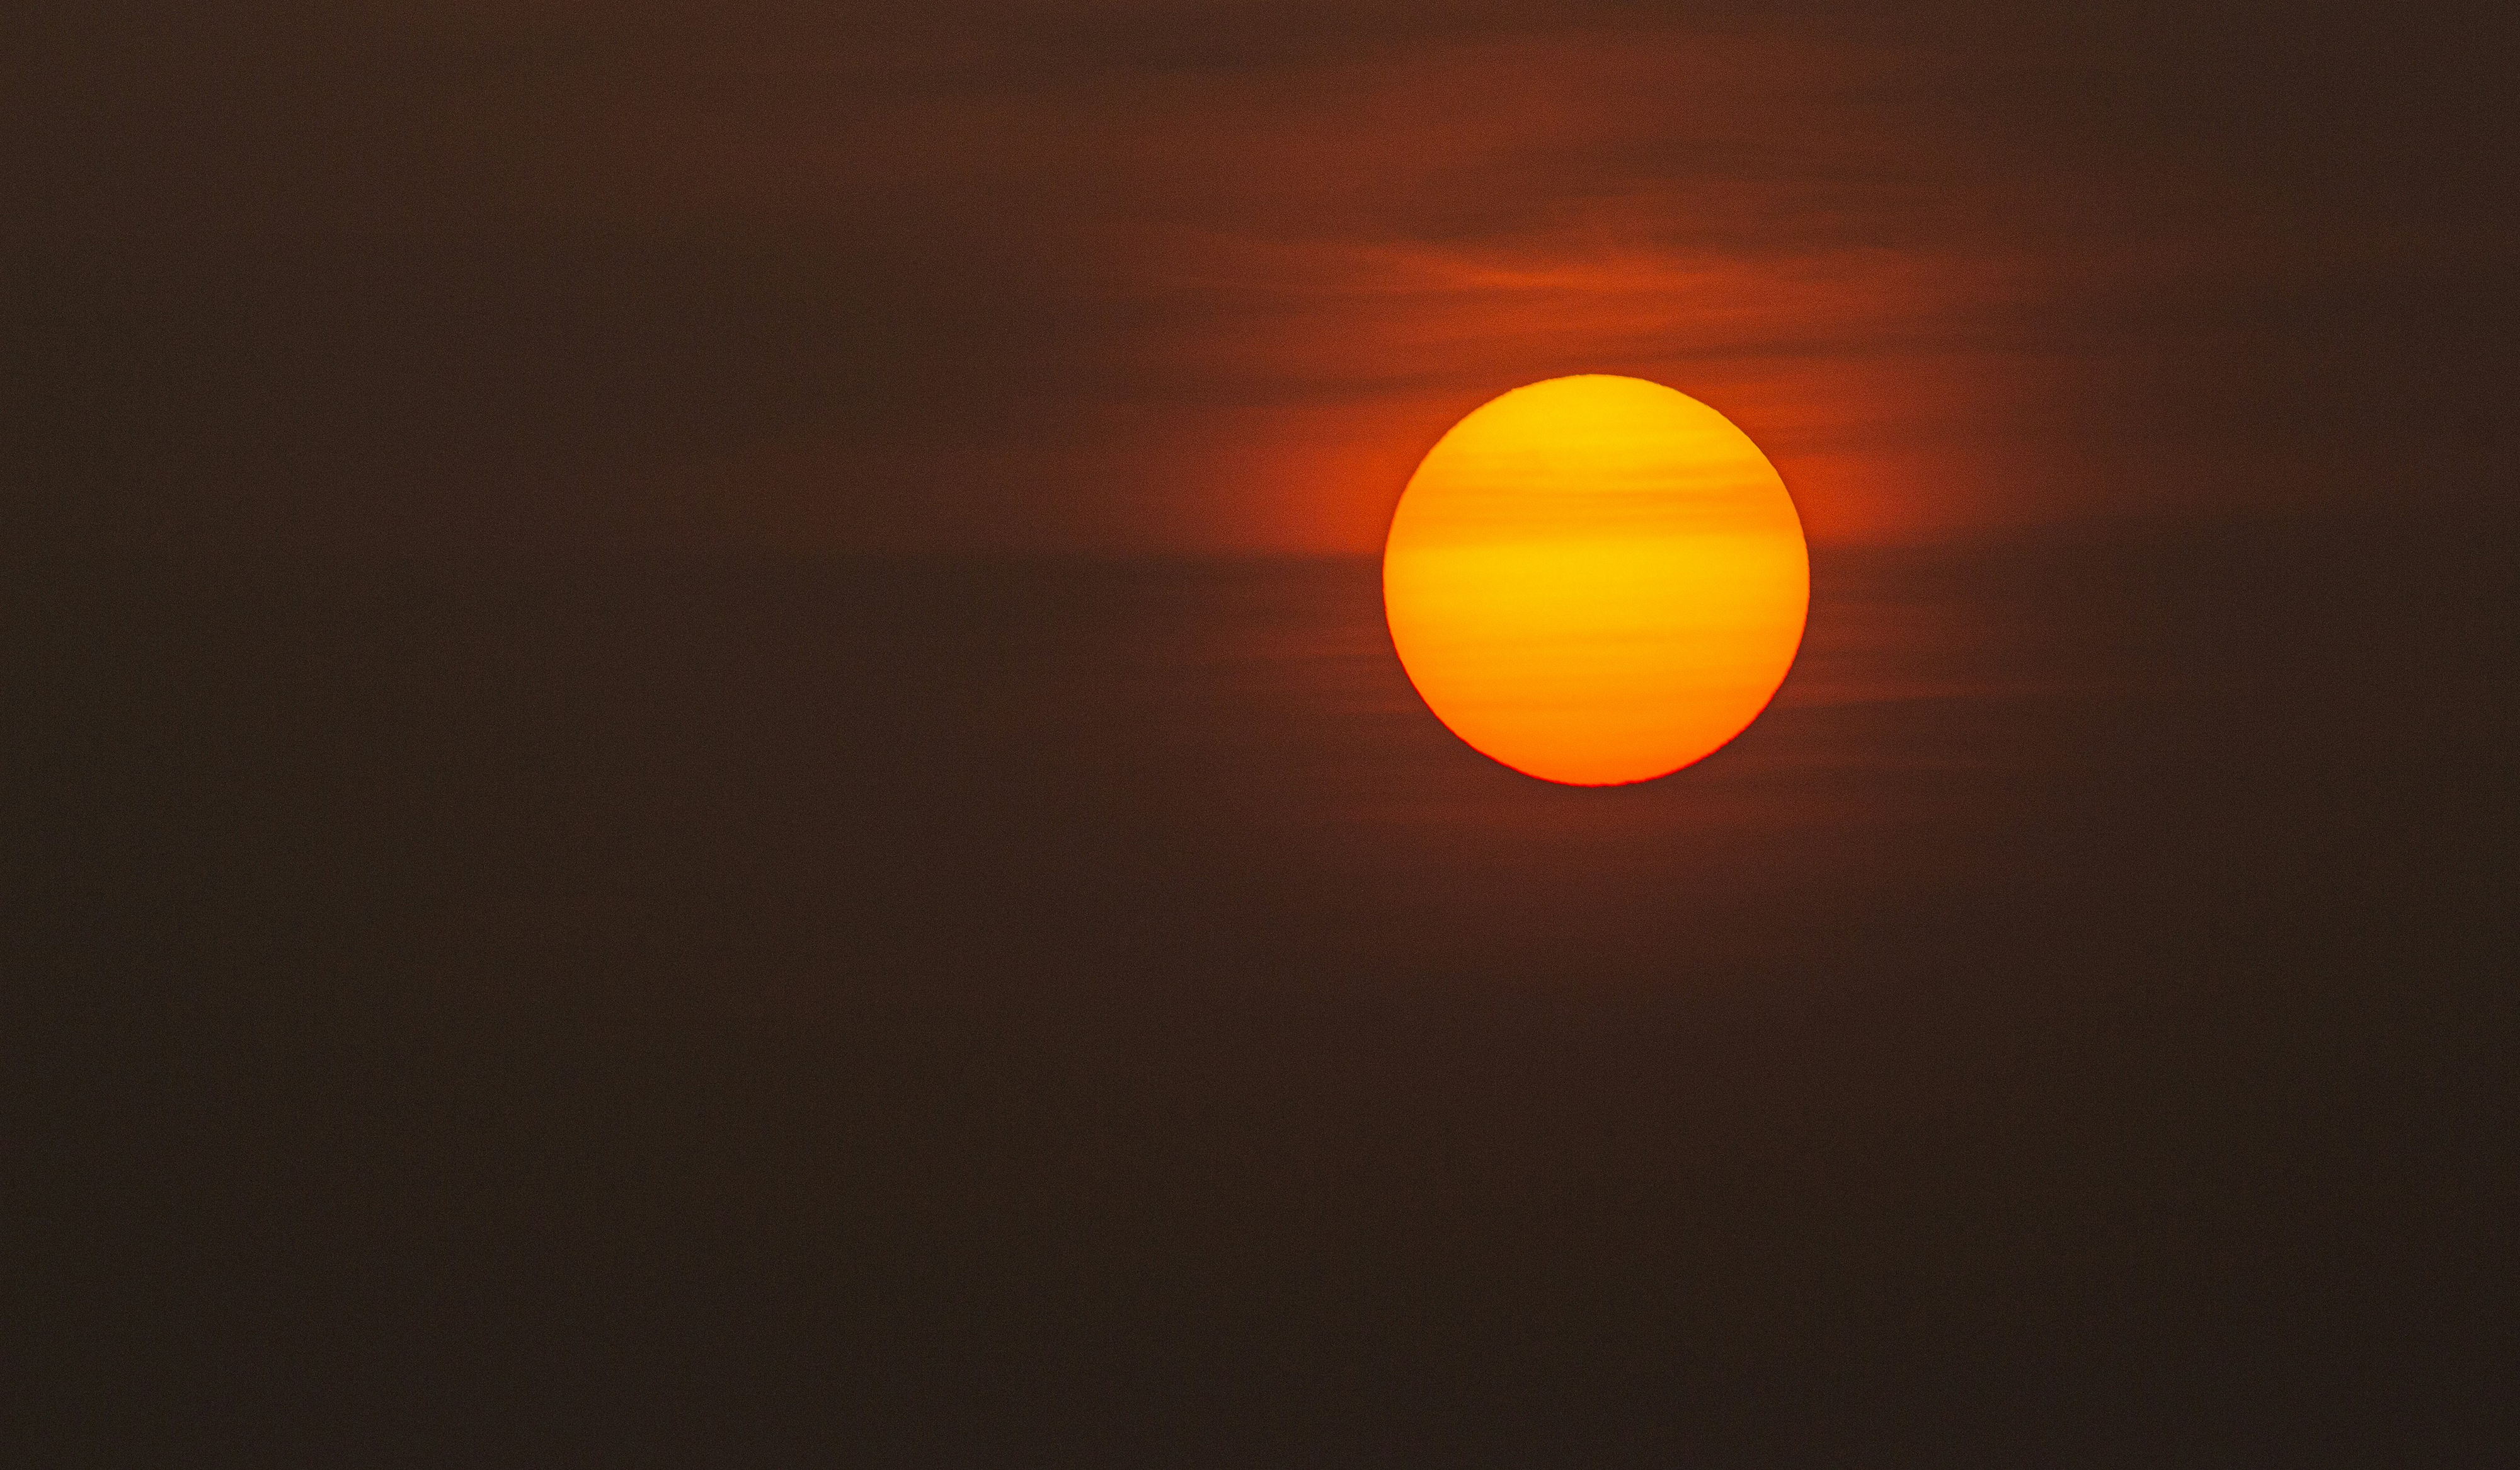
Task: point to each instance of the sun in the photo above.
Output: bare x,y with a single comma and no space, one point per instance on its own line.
1596,580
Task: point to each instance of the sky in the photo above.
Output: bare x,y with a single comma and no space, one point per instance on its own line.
1210,278
535,952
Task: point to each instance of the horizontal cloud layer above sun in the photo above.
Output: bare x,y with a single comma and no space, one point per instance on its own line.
1198,278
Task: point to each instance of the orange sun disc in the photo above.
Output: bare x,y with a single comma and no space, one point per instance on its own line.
1596,580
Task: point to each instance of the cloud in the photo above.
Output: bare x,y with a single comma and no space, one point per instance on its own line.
1189,276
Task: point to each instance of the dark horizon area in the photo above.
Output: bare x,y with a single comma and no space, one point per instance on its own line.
930,1013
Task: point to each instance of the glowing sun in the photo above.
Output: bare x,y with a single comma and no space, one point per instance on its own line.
1596,580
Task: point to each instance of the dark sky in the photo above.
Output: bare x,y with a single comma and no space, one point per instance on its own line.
537,945
1106,276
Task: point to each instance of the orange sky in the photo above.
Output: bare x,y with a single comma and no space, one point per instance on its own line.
1115,276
